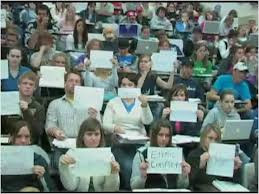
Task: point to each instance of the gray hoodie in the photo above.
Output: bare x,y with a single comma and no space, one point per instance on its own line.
218,115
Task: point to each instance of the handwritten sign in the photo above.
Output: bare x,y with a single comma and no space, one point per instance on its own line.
91,161
16,160
101,59
10,103
129,92
183,111
52,77
221,161
4,69
164,160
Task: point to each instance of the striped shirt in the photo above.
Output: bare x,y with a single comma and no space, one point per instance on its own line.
63,115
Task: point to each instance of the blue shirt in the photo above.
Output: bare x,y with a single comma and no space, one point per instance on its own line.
241,90
11,84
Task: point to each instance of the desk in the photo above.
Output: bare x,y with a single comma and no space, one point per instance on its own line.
4,139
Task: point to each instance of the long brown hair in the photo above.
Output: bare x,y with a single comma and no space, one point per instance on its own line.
16,129
89,124
155,129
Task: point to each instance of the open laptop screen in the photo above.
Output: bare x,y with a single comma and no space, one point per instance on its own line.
128,30
211,27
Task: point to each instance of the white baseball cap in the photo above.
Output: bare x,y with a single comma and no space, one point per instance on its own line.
241,66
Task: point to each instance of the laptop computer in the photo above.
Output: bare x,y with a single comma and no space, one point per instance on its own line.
128,30
211,27
237,130
146,46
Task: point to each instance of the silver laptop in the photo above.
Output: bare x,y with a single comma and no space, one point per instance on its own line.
211,27
237,129
146,46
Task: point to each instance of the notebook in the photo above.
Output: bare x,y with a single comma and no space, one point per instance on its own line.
146,47
128,30
237,129
211,27
226,186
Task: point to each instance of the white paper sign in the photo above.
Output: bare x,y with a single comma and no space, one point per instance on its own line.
4,69
221,161
16,160
181,139
129,92
183,111
164,160
10,103
52,77
91,161
89,97
66,143
235,23
164,61
95,36
3,18
101,59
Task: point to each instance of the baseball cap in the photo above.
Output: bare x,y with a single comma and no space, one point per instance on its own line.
186,61
241,66
123,43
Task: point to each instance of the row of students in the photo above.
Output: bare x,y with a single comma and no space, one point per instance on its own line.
91,135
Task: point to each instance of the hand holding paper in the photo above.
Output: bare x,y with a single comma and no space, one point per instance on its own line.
39,170
67,160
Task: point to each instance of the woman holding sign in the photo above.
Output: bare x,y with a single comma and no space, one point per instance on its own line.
39,180
90,135
199,157
161,136
148,82
179,93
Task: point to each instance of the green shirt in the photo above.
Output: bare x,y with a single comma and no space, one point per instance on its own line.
200,68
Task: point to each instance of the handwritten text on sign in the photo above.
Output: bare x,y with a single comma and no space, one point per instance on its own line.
164,160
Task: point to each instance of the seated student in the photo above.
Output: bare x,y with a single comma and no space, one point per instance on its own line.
127,61
21,136
160,136
67,24
226,44
31,110
252,63
93,44
127,114
179,93
199,180
226,65
89,14
103,78
59,59
202,64
14,58
63,119
238,85
90,135
226,25
45,53
160,22
44,23
223,110
79,38
184,24
242,34
164,44
111,40
193,87
148,81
